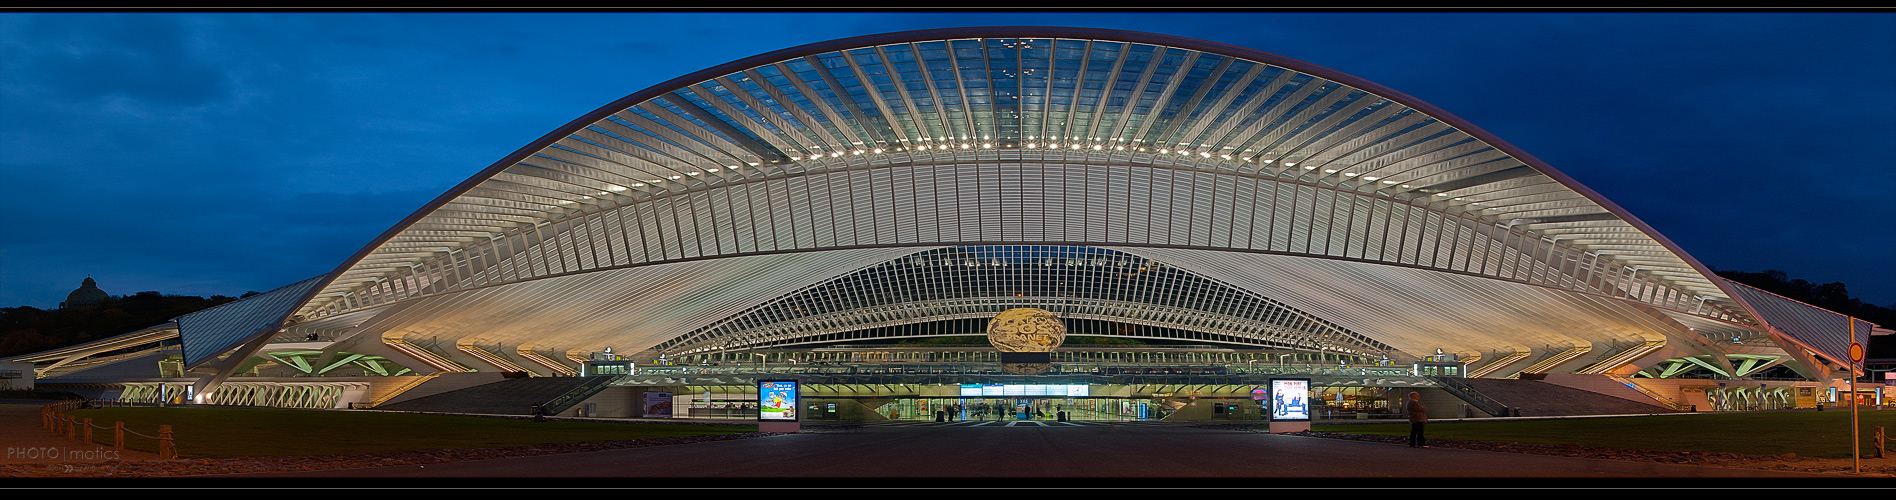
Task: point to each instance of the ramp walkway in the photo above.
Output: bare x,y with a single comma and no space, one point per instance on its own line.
514,396
1534,398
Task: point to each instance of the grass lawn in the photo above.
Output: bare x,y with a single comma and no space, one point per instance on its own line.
253,432
1810,434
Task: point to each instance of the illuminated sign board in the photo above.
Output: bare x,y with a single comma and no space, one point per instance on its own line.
777,400
1065,390
1290,399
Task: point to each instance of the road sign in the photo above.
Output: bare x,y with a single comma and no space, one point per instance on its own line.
1856,352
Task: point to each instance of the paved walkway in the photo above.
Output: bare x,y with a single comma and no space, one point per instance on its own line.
25,442
1019,453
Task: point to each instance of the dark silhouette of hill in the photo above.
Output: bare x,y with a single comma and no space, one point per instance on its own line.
28,329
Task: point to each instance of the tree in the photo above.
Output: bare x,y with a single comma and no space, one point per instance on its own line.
1834,296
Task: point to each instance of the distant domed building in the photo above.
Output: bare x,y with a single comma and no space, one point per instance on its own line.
87,294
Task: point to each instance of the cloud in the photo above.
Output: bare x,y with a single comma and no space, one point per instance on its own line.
224,152
142,57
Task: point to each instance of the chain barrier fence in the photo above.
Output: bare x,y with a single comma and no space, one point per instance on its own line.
56,419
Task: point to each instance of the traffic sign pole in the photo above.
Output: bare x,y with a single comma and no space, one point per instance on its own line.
1856,441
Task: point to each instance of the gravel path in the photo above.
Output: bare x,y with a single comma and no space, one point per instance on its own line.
1787,462
199,466
188,467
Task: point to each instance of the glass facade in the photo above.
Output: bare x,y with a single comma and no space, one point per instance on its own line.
928,291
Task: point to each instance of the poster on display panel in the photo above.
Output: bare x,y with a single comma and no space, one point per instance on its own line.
658,405
777,400
1290,400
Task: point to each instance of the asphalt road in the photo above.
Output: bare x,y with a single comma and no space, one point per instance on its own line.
997,454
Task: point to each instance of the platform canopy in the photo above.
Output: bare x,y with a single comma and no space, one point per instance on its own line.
1314,210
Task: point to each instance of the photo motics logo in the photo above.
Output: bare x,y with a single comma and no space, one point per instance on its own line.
53,453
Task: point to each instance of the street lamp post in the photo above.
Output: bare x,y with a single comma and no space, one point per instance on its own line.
1280,360
766,359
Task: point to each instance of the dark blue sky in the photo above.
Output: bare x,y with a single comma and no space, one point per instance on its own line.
224,152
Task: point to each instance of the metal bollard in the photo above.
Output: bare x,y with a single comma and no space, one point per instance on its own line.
88,432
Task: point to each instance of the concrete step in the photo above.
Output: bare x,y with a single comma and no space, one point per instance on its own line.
1537,398
506,397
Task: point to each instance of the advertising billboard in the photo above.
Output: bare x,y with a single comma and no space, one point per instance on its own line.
777,400
658,405
1290,399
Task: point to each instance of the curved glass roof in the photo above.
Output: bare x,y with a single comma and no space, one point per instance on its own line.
1018,136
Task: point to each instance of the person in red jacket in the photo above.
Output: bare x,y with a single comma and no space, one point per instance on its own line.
1418,415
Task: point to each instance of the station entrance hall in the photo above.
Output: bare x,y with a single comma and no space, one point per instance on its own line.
947,382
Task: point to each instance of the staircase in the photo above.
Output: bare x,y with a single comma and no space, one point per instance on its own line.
577,394
514,396
1535,398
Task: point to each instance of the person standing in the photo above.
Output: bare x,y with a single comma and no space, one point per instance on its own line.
1418,415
